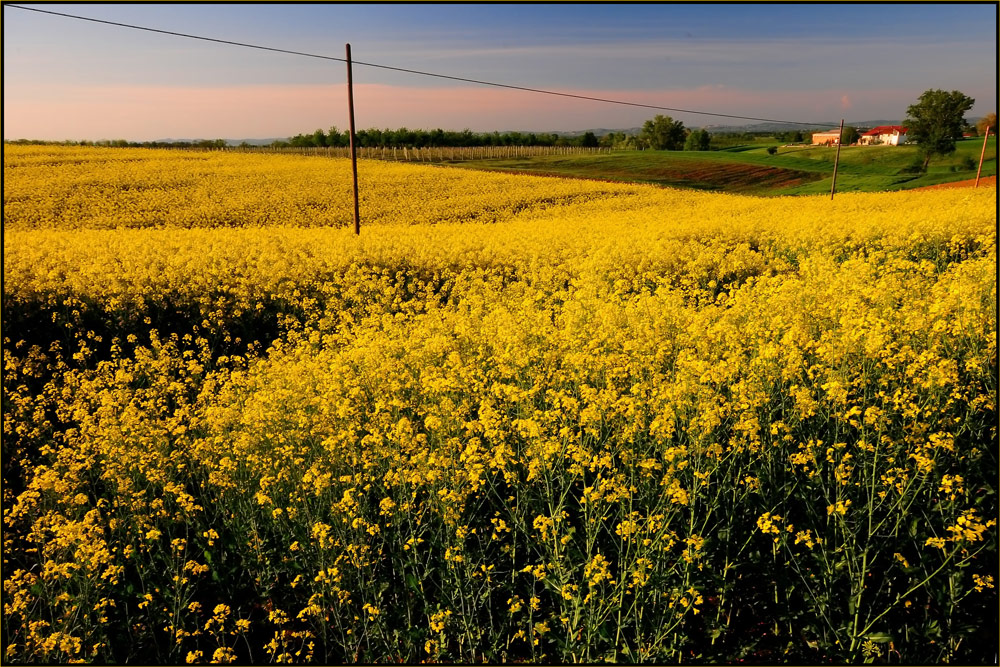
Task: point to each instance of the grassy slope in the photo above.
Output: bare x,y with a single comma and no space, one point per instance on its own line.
793,170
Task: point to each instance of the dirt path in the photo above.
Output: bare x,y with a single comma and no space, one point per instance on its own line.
984,181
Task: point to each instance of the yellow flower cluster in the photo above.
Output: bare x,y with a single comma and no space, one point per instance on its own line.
57,187
598,417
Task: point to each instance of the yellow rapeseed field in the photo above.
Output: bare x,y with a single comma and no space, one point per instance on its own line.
518,418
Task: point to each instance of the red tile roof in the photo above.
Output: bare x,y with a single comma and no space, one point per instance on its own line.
884,129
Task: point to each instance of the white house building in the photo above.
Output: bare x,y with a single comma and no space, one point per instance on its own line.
889,135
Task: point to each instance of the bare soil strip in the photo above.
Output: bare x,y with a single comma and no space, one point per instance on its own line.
984,181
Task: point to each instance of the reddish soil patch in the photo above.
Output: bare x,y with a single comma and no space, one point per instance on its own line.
984,181
730,177
694,174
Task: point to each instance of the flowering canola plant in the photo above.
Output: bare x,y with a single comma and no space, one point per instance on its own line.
518,418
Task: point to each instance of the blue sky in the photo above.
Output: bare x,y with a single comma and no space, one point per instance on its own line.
65,78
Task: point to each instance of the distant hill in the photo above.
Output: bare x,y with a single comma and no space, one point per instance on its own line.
728,129
598,131
785,127
229,142
255,142
601,131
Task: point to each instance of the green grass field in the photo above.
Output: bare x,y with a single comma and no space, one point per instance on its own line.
793,170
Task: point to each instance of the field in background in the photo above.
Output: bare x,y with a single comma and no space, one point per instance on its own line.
518,419
793,170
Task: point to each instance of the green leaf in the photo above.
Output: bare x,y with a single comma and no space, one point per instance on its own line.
879,637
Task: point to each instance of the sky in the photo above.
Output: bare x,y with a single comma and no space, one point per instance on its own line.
65,78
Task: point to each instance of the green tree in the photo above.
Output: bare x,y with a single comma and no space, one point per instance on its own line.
335,138
662,133
436,138
588,140
935,122
850,135
697,140
618,141
627,142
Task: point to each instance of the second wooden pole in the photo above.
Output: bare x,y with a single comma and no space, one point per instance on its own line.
354,152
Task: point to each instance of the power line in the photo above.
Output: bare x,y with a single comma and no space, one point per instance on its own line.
413,71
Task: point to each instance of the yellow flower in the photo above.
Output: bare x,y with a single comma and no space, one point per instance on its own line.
840,507
766,523
439,620
938,542
982,582
596,571
223,655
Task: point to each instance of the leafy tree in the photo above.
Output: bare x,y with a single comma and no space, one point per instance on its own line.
935,122
850,135
466,138
626,142
704,140
437,138
662,133
698,140
335,138
618,141
989,120
588,140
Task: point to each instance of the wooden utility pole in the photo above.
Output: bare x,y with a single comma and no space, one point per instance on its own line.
354,151
981,156
840,140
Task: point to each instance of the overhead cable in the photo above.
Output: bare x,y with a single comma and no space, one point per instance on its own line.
413,71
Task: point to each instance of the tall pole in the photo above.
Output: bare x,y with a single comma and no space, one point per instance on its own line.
840,140
354,151
981,156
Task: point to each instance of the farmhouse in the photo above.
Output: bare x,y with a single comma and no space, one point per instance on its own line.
890,135
829,138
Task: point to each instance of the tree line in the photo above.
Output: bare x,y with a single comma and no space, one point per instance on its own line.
124,143
659,133
410,138
935,122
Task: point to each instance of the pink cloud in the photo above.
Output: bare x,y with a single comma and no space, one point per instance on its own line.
152,112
